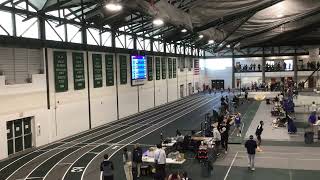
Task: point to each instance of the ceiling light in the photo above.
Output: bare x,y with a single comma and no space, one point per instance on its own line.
200,36
228,46
184,30
158,22
114,6
279,15
211,41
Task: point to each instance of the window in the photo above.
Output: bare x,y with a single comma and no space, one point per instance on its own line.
29,28
5,23
270,62
93,36
106,39
289,65
54,32
74,33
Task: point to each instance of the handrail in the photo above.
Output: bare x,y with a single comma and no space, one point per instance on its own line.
318,68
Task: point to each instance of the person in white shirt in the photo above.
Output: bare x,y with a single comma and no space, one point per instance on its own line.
217,140
313,108
160,161
127,163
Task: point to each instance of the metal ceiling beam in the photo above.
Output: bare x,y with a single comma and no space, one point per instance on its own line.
234,16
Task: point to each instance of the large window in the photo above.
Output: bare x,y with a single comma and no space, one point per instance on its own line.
54,32
27,28
74,33
289,65
5,23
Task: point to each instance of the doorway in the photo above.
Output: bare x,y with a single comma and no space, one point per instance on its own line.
181,91
217,84
19,135
190,89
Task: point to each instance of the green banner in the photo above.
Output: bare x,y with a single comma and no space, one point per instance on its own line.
174,72
170,67
60,71
123,69
158,66
78,71
163,68
150,68
97,70
109,70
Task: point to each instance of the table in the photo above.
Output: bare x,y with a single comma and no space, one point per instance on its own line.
147,159
173,142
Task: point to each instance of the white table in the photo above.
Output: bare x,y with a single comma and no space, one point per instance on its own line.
147,159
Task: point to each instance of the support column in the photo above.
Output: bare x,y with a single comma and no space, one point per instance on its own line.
295,66
263,66
233,73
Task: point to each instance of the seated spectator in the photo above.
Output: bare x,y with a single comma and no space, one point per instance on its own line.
174,176
185,176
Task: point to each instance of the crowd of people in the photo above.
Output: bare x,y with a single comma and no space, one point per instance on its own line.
310,66
248,68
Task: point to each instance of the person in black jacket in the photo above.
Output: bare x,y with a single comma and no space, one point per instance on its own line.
107,168
137,159
251,146
258,134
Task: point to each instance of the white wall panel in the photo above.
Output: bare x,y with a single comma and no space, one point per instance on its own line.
127,95
146,96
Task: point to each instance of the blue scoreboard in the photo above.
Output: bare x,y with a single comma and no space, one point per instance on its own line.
138,70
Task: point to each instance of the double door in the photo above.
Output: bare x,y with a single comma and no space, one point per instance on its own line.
19,135
217,84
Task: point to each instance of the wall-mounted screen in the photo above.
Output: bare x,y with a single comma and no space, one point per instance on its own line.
138,70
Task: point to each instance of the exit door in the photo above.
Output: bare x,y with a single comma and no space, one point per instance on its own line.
189,89
181,91
217,84
19,135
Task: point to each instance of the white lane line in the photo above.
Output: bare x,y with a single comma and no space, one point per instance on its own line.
176,110
136,117
234,159
191,101
203,104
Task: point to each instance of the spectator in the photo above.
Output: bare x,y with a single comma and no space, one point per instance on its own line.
107,168
127,161
259,67
259,133
225,127
238,124
313,108
185,176
174,176
217,139
160,161
251,146
137,159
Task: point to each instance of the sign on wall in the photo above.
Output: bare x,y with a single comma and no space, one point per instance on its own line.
78,71
163,68
174,72
170,67
97,70
158,66
150,68
60,71
123,69
196,67
109,70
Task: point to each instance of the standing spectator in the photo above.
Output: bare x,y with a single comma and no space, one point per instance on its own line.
258,134
107,168
284,66
237,122
160,161
246,95
137,158
127,161
313,108
259,67
254,67
225,127
251,146
308,65
312,121
217,139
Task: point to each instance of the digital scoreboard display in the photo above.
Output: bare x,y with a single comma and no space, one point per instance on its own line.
138,70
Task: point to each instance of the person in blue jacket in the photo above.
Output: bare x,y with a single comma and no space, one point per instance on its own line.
107,168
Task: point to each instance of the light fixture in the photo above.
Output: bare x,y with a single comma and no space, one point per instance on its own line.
183,30
113,6
200,36
228,45
158,22
211,41
279,15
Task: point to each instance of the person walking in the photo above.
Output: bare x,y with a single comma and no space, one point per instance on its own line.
107,168
258,134
127,161
237,123
225,127
137,159
251,146
160,161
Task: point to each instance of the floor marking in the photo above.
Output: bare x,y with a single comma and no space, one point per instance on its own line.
225,177
35,178
64,164
115,147
197,107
